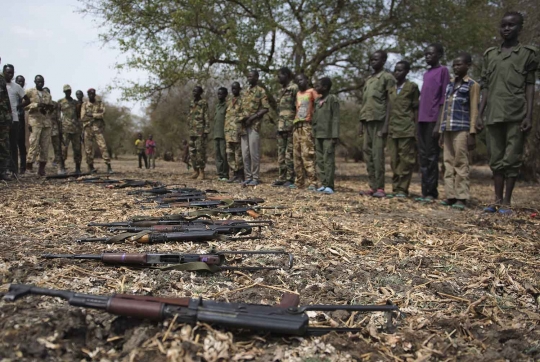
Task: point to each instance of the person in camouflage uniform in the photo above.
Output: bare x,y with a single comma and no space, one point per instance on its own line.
39,124
286,113
23,129
222,166
56,135
199,128
5,123
92,112
254,106
71,127
233,150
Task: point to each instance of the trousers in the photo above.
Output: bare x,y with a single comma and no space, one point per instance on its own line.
403,159
40,139
326,161
428,150
93,132
251,154
374,153
285,156
456,165
222,165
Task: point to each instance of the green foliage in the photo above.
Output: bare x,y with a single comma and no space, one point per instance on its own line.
119,127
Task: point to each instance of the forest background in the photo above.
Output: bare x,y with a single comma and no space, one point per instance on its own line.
183,43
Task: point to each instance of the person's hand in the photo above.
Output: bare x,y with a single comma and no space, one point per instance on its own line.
436,135
361,129
441,140
384,131
479,122
526,125
471,142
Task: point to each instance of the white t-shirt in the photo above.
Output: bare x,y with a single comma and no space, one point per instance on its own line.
16,94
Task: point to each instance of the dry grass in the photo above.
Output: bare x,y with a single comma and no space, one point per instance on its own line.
465,280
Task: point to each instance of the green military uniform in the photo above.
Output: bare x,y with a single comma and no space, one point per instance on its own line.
219,140
372,114
326,131
286,113
199,128
71,128
402,131
40,137
93,128
5,123
254,99
506,75
56,131
233,116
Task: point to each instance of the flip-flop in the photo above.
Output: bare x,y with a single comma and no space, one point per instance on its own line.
446,203
428,200
490,209
390,196
419,199
458,207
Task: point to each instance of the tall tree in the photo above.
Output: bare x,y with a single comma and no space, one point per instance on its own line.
178,40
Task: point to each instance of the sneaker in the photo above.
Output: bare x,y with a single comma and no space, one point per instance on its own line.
293,186
278,183
223,179
321,189
401,195
311,188
490,209
253,183
287,184
367,192
379,194
246,182
328,191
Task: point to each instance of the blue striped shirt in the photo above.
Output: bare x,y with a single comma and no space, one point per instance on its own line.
461,106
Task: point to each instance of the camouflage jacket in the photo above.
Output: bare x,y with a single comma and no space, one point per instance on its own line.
92,111
5,105
253,100
198,118
233,116
68,115
37,116
287,107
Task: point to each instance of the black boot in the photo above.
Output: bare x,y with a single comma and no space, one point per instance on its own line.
109,168
233,177
91,168
78,168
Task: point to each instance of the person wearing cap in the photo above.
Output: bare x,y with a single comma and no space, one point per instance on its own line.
92,111
71,127
40,125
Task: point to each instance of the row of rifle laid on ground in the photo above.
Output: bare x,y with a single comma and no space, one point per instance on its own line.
87,178
214,261
287,318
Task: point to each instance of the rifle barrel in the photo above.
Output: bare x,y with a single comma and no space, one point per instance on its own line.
72,256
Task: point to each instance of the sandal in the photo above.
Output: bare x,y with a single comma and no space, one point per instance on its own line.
491,209
459,205
448,202
428,199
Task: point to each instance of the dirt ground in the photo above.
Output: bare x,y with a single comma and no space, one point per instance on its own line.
466,282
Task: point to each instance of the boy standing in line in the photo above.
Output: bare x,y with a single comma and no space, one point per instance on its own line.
431,105
303,142
151,151
508,78
374,116
222,167
141,148
198,133
458,132
403,115
326,130
233,116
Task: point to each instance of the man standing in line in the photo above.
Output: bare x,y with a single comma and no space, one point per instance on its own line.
232,134
18,100
5,122
219,135
71,127
254,105
56,135
23,129
92,112
199,128
39,124
286,113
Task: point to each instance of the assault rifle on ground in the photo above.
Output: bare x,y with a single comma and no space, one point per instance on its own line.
167,224
210,203
287,318
119,184
66,176
212,262
148,237
233,228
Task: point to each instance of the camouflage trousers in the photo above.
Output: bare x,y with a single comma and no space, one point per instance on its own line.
57,147
222,165
40,139
75,140
4,148
234,156
285,156
93,132
197,152
304,154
